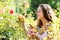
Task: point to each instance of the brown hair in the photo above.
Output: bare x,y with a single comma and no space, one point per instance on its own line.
45,8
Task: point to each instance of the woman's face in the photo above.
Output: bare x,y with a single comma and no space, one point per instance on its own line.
40,14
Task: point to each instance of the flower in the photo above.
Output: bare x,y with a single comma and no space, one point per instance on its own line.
26,4
2,10
11,11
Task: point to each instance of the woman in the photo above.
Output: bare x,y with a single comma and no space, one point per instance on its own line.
45,16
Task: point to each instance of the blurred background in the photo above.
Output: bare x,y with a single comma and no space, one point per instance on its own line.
10,29
25,7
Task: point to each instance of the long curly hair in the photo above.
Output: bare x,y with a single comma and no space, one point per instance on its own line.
47,13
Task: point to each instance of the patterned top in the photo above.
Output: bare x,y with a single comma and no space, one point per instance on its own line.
41,36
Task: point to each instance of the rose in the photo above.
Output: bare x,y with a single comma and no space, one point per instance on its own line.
11,11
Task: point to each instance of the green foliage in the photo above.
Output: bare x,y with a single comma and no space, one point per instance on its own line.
53,3
11,29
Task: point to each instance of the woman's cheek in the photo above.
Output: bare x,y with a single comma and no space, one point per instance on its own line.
38,17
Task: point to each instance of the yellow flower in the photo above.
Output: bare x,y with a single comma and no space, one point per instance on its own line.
26,4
